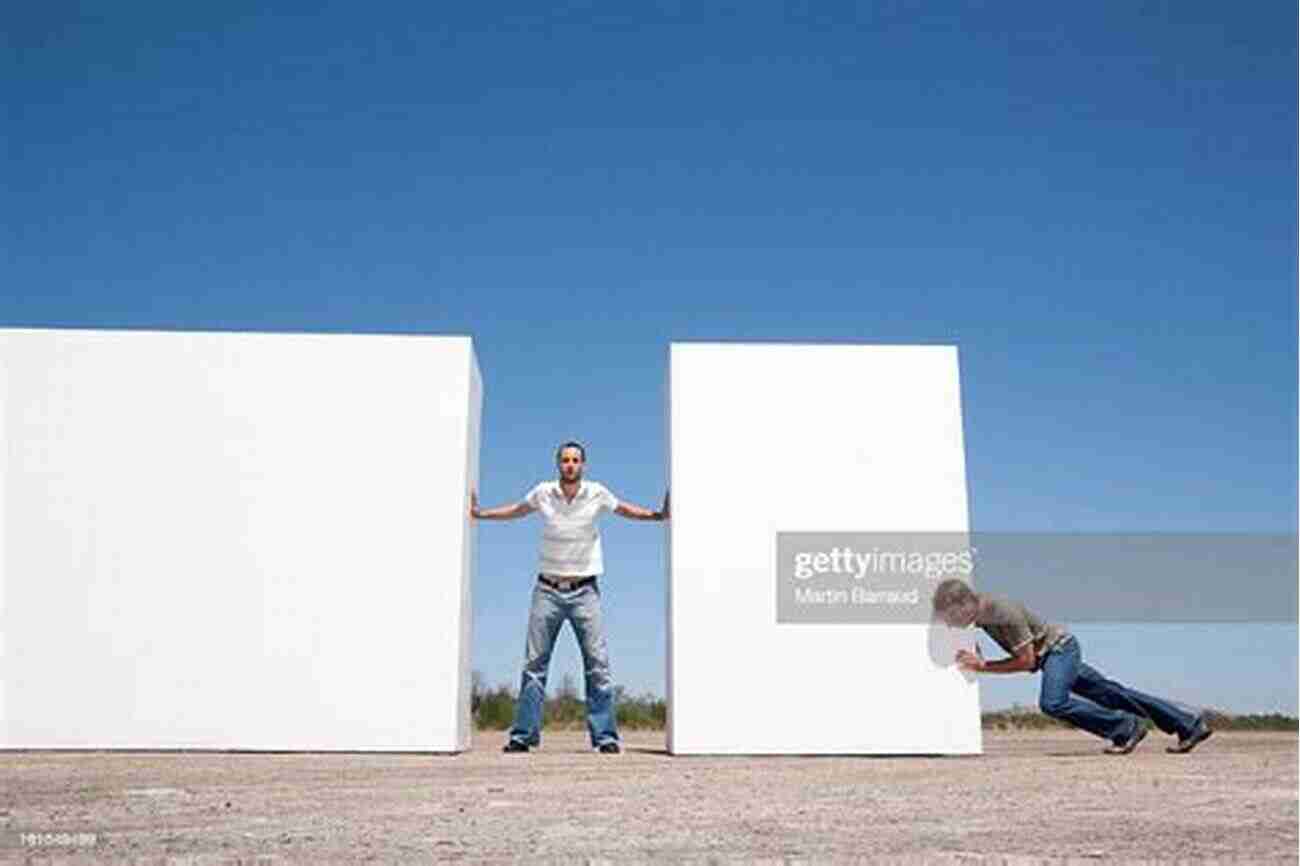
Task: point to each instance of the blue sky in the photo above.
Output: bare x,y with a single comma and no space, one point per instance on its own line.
1096,202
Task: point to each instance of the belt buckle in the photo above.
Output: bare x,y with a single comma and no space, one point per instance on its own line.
565,585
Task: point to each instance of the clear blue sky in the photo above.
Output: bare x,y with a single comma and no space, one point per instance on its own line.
1096,202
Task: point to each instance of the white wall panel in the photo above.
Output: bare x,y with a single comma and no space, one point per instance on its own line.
215,540
813,438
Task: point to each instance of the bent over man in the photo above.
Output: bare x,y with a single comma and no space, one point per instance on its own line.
1070,690
567,591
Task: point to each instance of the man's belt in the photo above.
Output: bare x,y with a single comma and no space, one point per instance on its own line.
566,584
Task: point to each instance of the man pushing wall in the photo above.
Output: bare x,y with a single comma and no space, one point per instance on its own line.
1070,690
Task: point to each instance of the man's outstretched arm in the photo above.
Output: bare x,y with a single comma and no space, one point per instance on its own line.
501,512
636,512
1024,660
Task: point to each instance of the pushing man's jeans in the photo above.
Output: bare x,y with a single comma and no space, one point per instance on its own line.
550,608
1111,710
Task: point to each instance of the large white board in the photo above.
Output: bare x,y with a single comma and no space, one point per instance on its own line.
252,541
776,438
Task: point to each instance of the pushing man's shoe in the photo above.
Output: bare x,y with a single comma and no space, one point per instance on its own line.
1199,735
1129,743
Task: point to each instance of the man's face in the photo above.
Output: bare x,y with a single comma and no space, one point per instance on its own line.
570,463
960,615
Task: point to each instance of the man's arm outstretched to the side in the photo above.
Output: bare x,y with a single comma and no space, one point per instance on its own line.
501,512
636,512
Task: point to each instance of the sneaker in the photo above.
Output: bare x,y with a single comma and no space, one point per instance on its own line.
610,748
1123,748
515,746
1199,734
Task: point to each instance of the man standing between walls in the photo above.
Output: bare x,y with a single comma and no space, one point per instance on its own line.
567,590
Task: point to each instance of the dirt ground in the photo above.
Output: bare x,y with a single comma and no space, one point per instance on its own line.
1031,798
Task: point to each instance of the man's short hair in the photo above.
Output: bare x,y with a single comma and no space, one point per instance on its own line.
571,444
952,593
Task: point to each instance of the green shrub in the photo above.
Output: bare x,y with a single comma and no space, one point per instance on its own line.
564,709
1027,719
494,710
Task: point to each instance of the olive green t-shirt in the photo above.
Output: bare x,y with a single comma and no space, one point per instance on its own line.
1012,625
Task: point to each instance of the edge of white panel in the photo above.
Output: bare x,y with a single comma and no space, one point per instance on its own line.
4,529
469,555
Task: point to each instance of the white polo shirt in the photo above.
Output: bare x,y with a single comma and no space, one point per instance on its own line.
570,539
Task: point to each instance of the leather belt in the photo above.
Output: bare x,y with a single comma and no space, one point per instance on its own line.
566,584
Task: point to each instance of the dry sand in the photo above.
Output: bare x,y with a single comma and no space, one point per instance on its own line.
1032,797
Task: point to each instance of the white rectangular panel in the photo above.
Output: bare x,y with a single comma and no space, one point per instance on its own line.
220,540
767,439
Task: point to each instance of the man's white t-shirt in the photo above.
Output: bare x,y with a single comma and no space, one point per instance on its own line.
570,539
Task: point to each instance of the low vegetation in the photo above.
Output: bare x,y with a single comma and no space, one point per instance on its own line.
1020,718
494,710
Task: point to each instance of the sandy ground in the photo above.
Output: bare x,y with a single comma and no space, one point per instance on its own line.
1033,797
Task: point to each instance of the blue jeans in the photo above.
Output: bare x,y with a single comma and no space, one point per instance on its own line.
550,609
1109,709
